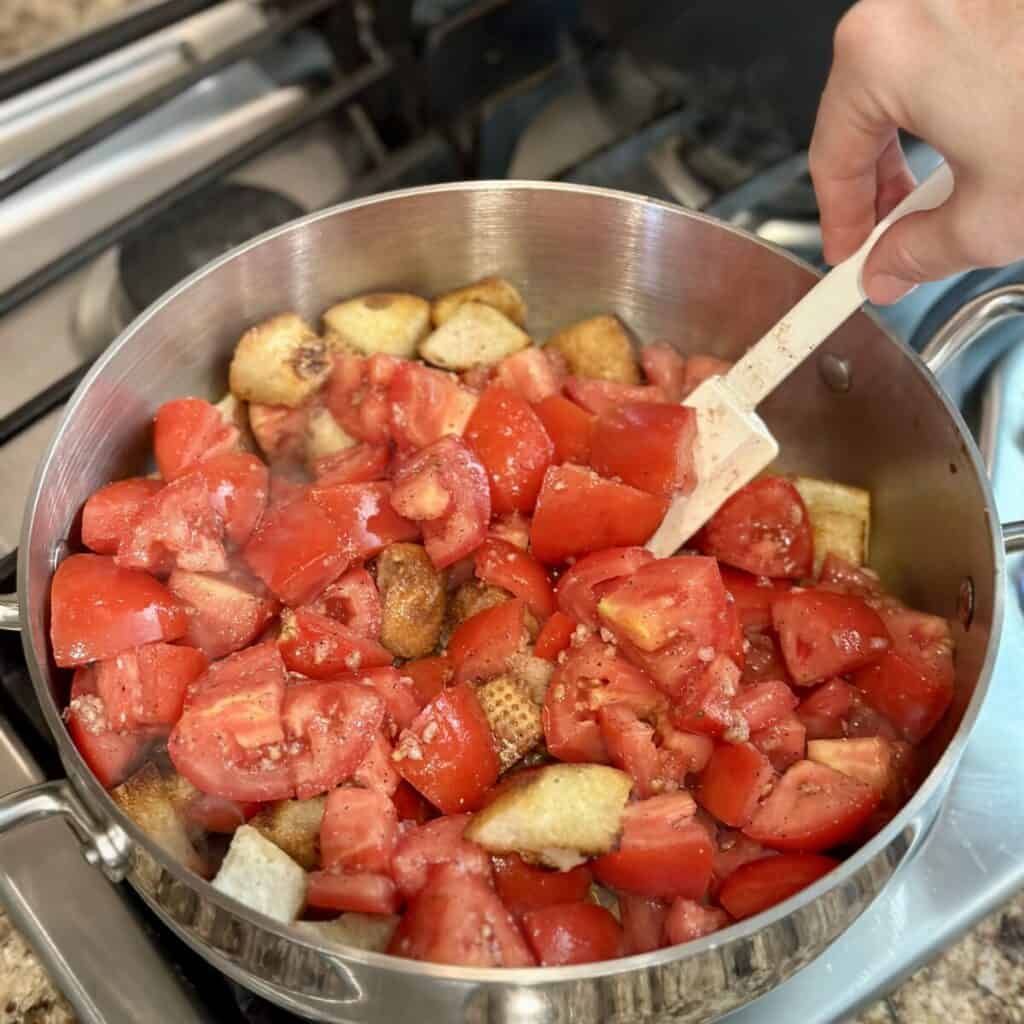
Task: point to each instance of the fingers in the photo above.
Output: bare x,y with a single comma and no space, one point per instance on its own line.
895,181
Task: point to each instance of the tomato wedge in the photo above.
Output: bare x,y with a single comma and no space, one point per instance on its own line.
359,831
109,513
582,586
364,518
280,431
503,565
433,844
554,636
360,464
188,430
483,645
357,395
630,746
761,704
322,648
377,770
753,596
915,703
429,675
598,396
688,920
732,784
812,808
783,742
761,884
532,373
763,528
570,428
924,642
572,933
426,405
643,923
523,888
665,368
699,368
98,609
354,601
361,892
238,485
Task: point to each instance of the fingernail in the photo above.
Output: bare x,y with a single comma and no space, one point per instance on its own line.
884,289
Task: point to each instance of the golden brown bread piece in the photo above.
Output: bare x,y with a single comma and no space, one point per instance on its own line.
413,596
392,323
474,335
495,292
599,348
279,362
294,826
840,519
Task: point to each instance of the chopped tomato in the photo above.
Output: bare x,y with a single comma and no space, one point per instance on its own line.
732,850
359,831
598,396
513,446
763,883
646,445
458,919
570,428
705,703
912,701
111,756
761,704
322,648
238,485
826,711
763,528
523,887
824,634
146,686
554,636
663,852
812,808
783,742
688,920
357,395
188,430
429,675
225,613
433,844
426,405
361,892
924,642
582,586
630,745
109,513
445,488
177,528
846,578
280,431
397,691
643,923
448,752
296,550
699,368
762,658
532,373
872,760
578,512
284,489
377,770
98,609
752,596
410,805
665,368
361,464
482,645
215,814
732,784
364,518
354,601
573,933
505,566
683,753
513,528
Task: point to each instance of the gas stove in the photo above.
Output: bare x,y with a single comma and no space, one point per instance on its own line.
139,165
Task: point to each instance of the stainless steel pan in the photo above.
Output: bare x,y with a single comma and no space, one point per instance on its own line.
865,411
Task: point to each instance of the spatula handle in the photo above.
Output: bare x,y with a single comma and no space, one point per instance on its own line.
834,299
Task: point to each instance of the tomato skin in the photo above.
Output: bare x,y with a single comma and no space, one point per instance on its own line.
581,587
482,645
359,831
449,468
688,920
753,596
578,512
649,446
825,712
280,431
426,405
812,808
846,578
706,704
762,658
362,892
663,852
824,634
377,771
109,513
225,613
238,485
573,933
732,850
457,760
513,446
397,691
913,702
215,814
435,844
523,888
357,395
643,923
502,565
763,528
532,373
364,518
761,884
630,746
409,804
554,637
665,368
598,396
458,919
762,704
783,742
429,675
699,368
570,428
354,601
362,464
322,648
733,783
186,431
924,642
98,609
296,550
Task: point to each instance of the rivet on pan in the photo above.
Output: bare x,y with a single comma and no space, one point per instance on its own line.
965,602
835,372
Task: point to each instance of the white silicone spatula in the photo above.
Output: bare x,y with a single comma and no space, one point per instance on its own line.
733,443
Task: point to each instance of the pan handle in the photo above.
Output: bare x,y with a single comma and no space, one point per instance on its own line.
959,334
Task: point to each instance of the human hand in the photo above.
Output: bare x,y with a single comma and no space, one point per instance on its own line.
950,72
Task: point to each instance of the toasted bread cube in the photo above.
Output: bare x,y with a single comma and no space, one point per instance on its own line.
599,348
261,875
474,335
150,800
413,597
495,292
514,718
294,826
361,931
324,435
558,815
279,362
393,323
534,673
840,519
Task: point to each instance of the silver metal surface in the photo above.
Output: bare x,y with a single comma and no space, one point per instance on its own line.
667,273
10,612
80,925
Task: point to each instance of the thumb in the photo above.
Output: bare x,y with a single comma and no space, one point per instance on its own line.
924,246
